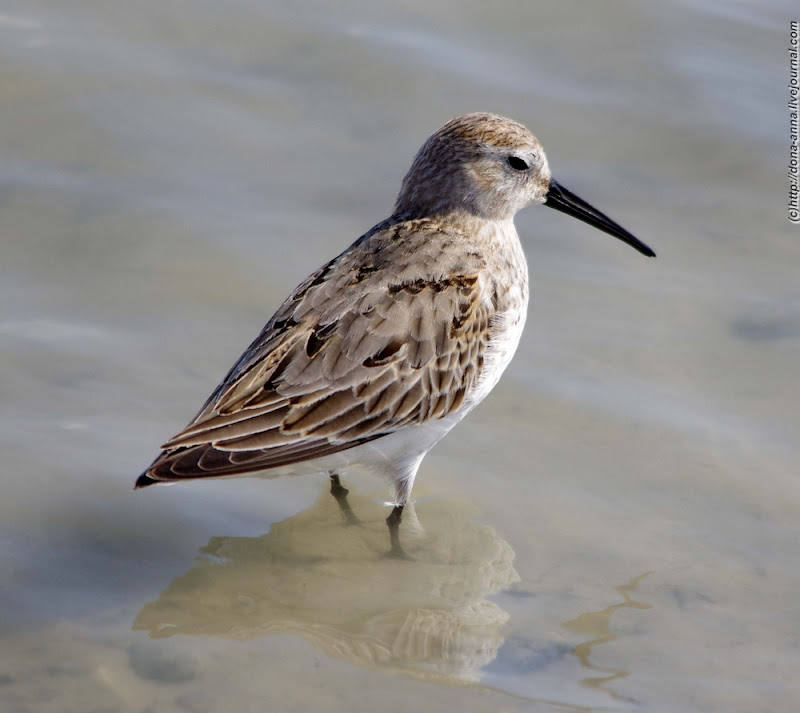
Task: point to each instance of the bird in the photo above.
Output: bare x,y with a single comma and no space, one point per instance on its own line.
378,354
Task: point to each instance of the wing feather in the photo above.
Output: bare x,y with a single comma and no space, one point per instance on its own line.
352,355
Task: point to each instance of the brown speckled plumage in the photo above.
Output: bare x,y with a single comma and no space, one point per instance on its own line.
402,333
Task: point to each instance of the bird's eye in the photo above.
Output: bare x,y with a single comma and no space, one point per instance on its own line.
517,163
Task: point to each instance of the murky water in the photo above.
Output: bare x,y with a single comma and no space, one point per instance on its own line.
616,528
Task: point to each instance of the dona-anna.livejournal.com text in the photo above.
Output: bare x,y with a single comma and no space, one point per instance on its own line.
794,108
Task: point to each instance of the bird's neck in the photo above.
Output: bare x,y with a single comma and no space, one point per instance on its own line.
460,220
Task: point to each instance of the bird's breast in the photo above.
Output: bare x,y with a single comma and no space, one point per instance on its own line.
507,287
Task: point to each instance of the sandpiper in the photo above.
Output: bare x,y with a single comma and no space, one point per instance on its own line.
379,353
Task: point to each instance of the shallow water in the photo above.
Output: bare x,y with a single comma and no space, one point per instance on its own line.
615,528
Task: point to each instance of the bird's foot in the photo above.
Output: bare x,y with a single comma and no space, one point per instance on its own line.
393,522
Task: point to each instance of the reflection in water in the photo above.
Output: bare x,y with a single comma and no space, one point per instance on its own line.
329,581
598,626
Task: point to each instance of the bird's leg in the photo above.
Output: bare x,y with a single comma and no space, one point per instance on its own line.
337,489
393,521
340,493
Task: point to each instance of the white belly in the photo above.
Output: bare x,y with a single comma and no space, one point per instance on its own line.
506,333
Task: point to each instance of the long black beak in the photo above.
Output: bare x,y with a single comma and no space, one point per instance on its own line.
567,202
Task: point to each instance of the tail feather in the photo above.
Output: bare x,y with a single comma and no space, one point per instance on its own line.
205,461
143,481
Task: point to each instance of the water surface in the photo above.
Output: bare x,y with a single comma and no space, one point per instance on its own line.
616,528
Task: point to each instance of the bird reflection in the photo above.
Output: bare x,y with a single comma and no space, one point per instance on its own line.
322,574
597,625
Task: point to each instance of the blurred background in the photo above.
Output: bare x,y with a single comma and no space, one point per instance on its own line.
615,528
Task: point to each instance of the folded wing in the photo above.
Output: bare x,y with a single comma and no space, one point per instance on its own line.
349,357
